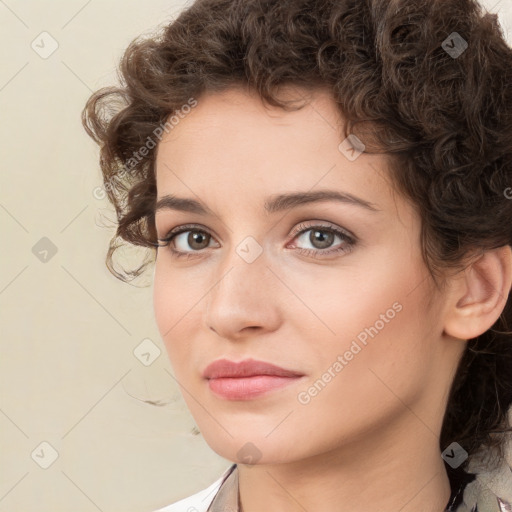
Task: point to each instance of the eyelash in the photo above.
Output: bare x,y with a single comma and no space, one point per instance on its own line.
349,240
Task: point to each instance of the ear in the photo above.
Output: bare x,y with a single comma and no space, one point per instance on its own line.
479,294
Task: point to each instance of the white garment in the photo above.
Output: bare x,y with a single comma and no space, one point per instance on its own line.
198,502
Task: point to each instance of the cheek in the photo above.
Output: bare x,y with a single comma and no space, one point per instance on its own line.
384,343
163,299
386,361
383,377
173,302
375,308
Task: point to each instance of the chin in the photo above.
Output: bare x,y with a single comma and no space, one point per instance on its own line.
255,449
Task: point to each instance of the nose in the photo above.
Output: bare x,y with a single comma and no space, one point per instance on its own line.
244,298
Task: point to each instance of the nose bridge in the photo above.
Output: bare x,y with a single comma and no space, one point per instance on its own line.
244,266
244,248
240,294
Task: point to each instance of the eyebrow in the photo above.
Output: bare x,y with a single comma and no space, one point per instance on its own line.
273,204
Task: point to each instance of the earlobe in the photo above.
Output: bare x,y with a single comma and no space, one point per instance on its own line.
479,294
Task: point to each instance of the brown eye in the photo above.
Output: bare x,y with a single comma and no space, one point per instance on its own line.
186,240
190,240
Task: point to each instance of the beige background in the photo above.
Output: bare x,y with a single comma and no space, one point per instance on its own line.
68,373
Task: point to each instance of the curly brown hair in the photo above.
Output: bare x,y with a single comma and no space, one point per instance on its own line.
428,81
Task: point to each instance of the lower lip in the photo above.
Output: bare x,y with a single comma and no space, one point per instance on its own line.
246,388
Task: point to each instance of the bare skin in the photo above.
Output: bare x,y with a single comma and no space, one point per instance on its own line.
368,437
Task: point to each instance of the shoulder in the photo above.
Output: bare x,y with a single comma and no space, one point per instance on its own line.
200,501
490,490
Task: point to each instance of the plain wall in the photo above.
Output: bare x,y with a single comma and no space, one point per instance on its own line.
68,373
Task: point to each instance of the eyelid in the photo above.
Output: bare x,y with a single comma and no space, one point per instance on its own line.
304,226
185,227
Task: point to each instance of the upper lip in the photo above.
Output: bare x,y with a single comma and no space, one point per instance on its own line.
246,368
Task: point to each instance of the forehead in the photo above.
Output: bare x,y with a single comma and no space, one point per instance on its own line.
238,109
231,140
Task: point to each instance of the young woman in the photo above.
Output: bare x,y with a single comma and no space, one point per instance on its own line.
325,188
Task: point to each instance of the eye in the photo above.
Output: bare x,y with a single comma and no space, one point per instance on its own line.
321,239
193,236
197,239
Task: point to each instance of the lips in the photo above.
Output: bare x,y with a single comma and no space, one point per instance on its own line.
246,379
223,368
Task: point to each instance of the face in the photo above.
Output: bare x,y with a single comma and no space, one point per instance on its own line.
333,291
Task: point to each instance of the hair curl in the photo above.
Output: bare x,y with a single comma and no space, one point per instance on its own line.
446,121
